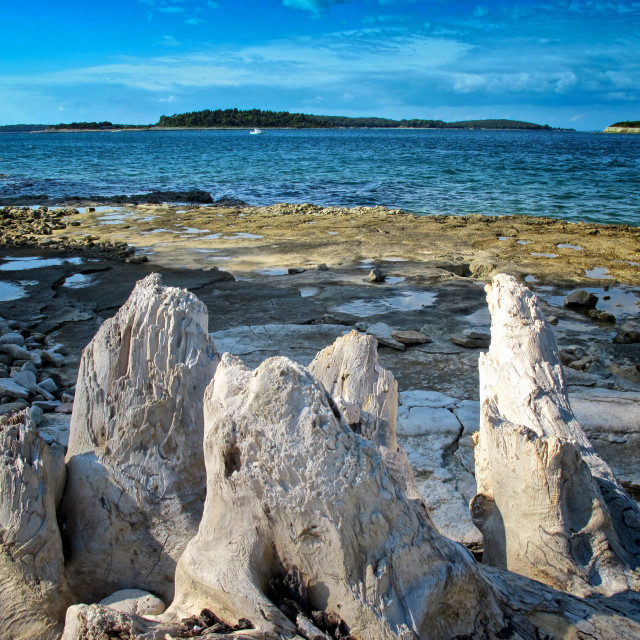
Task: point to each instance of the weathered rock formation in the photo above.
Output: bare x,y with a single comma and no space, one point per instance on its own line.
33,590
367,396
136,482
548,506
290,485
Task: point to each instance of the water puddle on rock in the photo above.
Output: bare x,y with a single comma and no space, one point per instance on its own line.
22,264
247,236
10,291
479,318
401,301
273,271
79,281
530,279
395,259
192,230
575,247
103,209
545,255
598,273
523,241
393,279
332,233
622,303
307,292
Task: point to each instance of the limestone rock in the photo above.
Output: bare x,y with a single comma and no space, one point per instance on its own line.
99,622
135,601
290,484
367,394
548,506
136,470
383,333
33,590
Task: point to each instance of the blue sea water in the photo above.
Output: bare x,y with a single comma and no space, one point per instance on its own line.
568,175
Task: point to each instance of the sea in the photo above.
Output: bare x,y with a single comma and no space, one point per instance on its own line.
574,176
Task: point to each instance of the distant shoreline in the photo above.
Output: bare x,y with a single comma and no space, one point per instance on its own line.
248,128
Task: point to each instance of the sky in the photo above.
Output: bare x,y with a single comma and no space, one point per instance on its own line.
566,63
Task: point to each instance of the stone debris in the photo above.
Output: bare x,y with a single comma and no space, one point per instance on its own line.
25,227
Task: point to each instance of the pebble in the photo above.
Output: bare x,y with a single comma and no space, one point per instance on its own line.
11,389
53,358
66,407
12,338
376,275
16,351
47,405
411,337
10,407
48,385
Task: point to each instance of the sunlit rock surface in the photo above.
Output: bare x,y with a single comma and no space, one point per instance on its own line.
136,470
548,506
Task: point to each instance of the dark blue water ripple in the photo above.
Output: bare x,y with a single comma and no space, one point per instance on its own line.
575,176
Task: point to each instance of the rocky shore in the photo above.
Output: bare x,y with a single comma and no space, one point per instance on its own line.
288,281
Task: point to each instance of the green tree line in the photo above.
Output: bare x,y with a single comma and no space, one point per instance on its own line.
276,119
634,124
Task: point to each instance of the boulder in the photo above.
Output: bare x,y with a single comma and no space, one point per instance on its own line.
136,471
33,589
376,275
581,299
547,505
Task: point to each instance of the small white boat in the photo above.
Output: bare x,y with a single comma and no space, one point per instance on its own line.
256,131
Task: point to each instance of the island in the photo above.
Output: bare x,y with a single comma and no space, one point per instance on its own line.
628,126
263,119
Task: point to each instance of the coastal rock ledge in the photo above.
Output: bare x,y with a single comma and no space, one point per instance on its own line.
311,527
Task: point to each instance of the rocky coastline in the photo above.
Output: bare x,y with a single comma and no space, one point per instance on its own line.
297,282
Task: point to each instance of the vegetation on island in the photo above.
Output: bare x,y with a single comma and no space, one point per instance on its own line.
630,124
97,126
249,118
283,119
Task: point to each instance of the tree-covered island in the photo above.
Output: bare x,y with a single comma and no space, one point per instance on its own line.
251,118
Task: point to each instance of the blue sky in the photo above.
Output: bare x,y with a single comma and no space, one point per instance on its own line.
573,63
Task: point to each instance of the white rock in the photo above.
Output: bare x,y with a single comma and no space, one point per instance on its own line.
548,506
134,601
136,469
365,552
33,590
367,394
